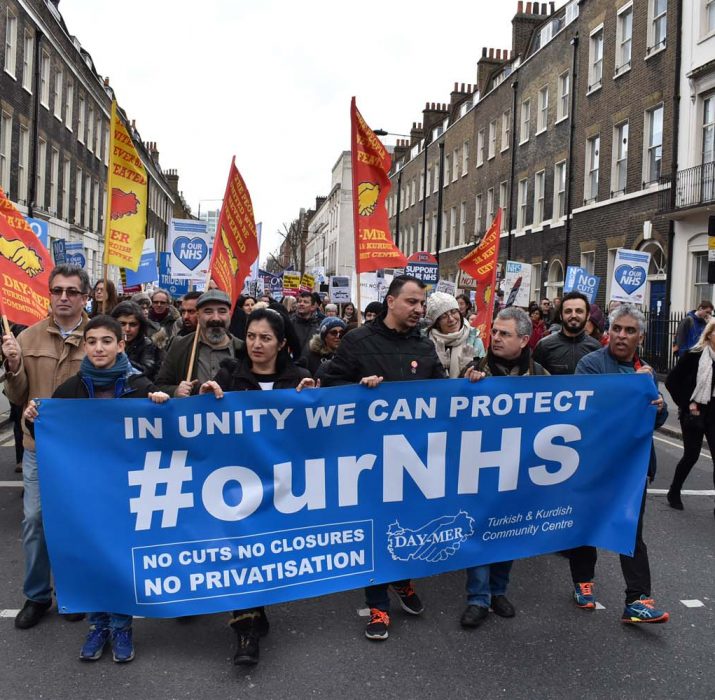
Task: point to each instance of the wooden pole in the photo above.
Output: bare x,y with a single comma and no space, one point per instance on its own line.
192,357
6,325
104,293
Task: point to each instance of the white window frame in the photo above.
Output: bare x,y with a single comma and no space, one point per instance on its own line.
481,136
522,203
452,227
66,184
23,164
542,115
588,261
54,179
87,200
421,193
435,183
447,169
595,59
477,215
490,207
10,43
525,121
95,207
41,173
559,197
649,146
619,159
79,178
708,21
5,150
506,129
539,197
564,90
623,41
90,129
69,103
465,158
428,181
28,57
653,46
503,202
57,84
455,165
593,158
45,79
98,135
81,115
462,223
492,149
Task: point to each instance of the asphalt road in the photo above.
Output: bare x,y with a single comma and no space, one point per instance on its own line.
316,648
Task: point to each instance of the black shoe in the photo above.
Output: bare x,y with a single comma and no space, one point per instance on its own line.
249,627
73,617
502,607
674,500
31,613
248,651
473,616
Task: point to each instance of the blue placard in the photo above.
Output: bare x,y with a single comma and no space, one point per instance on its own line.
578,279
41,229
201,505
59,252
74,254
146,272
176,288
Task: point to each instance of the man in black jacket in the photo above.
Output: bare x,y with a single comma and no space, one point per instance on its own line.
560,352
305,319
390,349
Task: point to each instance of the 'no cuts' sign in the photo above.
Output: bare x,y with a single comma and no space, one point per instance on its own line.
578,279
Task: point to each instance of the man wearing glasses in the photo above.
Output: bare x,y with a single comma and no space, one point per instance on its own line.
43,357
163,315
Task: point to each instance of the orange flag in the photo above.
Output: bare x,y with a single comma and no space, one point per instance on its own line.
25,266
236,243
374,247
481,264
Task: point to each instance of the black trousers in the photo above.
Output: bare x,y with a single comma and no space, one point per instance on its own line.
692,443
16,418
636,569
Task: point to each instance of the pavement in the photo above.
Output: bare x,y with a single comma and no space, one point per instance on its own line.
316,647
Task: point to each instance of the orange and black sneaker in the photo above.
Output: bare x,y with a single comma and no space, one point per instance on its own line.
583,595
378,625
409,600
643,610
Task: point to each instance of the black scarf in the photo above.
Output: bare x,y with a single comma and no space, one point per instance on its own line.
499,367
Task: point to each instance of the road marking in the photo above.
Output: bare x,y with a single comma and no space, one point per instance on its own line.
693,603
599,606
9,613
11,484
684,492
680,444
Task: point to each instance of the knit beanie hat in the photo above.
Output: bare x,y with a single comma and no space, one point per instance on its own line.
330,322
438,304
597,317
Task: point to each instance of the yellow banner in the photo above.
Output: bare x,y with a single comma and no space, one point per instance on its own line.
125,229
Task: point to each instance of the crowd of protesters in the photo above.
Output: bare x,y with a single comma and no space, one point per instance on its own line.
96,345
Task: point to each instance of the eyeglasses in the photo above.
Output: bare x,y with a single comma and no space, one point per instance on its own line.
454,313
336,334
71,292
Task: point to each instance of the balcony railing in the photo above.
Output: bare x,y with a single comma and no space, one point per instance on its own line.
693,187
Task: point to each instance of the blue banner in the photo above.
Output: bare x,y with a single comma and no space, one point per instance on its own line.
177,288
202,505
147,270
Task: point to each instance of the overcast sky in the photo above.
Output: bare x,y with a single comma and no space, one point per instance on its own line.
270,81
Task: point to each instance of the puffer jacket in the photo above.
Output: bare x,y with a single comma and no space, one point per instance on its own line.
315,355
47,361
559,353
236,375
145,356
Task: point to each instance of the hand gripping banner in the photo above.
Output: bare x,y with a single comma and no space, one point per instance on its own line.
201,505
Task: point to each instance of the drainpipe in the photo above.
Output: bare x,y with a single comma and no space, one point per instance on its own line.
32,190
514,87
569,167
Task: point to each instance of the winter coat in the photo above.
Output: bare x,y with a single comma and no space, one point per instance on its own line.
236,375
175,367
135,387
489,364
304,329
145,356
167,327
689,331
314,355
560,353
682,379
375,349
47,360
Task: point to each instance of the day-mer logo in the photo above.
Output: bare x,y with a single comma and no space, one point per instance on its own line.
438,540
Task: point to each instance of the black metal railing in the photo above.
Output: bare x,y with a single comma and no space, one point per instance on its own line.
693,187
657,348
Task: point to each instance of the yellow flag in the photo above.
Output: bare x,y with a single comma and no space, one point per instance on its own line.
125,228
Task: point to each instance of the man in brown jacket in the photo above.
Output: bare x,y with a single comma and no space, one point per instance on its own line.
43,357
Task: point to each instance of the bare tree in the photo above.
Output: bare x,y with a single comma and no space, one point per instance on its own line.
296,237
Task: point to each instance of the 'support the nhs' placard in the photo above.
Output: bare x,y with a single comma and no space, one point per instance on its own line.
201,505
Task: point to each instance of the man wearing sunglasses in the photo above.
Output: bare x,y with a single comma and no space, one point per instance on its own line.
43,357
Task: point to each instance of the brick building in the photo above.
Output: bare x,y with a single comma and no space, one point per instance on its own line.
54,132
568,131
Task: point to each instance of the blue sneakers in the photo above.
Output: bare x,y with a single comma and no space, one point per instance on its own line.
583,595
643,610
93,647
122,646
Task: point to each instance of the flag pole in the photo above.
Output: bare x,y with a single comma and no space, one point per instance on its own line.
108,208
356,229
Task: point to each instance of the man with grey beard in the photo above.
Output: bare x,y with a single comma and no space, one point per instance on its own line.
215,344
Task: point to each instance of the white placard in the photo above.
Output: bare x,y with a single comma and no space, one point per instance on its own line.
630,274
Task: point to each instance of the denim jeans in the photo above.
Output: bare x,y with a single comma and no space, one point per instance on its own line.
376,596
483,582
112,621
38,585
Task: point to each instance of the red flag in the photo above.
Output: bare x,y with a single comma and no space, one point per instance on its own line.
481,264
25,266
374,247
236,243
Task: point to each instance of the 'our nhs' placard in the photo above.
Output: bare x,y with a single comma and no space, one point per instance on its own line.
630,273
201,505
